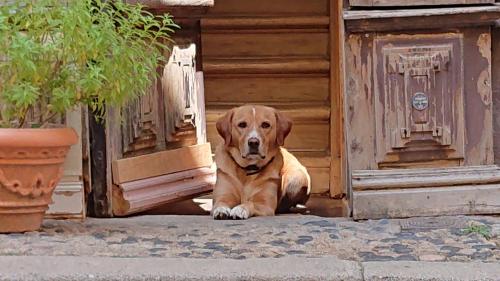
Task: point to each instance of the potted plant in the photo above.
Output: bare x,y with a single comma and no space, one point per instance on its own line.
54,56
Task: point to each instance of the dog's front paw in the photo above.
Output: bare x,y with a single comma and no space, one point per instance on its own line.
239,213
221,213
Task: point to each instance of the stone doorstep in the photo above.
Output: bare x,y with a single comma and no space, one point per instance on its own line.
24,268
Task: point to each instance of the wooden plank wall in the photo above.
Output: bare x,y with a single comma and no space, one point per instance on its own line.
275,53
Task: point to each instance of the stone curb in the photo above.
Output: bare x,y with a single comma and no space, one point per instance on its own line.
431,271
27,268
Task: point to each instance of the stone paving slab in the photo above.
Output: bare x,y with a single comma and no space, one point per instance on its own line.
35,268
430,271
41,268
275,237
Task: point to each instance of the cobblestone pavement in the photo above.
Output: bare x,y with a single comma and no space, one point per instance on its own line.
427,239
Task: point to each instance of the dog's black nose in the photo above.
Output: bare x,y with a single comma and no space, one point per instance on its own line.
253,143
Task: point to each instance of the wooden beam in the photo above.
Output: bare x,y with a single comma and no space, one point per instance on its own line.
99,199
405,3
419,178
146,194
161,163
442,201
405,13
337,180
413,19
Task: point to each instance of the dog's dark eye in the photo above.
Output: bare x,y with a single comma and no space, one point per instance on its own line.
265,125
242,125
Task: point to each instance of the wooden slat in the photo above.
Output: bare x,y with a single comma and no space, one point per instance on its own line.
137,196
392,3
400,172
418,178
258,45
209,24
266,66
266,90
404,13
442,201
269,8
161,163
301,114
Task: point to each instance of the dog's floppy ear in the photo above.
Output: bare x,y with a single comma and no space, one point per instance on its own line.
283,127
224,125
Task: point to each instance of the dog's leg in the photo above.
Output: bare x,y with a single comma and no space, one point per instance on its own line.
262,203
226,196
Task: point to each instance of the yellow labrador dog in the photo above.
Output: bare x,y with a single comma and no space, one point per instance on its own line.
255,175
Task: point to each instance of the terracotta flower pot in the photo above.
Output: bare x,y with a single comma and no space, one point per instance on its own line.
30,168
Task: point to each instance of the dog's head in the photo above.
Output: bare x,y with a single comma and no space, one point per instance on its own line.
253,134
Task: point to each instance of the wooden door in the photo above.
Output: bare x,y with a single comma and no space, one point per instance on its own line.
418,99
279,53
155,147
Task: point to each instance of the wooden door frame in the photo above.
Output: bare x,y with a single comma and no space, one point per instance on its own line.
338,165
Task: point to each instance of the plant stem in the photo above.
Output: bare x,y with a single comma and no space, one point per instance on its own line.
46,120
23,117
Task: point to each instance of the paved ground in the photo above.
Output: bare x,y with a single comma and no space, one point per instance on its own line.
16,268
451,239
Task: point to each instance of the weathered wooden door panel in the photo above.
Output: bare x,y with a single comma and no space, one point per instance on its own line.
419,86
419,120
141,129
460,104
154,156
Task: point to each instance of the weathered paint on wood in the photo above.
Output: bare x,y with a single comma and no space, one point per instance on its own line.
418,178
420,19
393,3
495,48
425,66
180,95
375,141
419,112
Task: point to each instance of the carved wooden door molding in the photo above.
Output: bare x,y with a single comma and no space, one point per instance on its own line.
419,108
